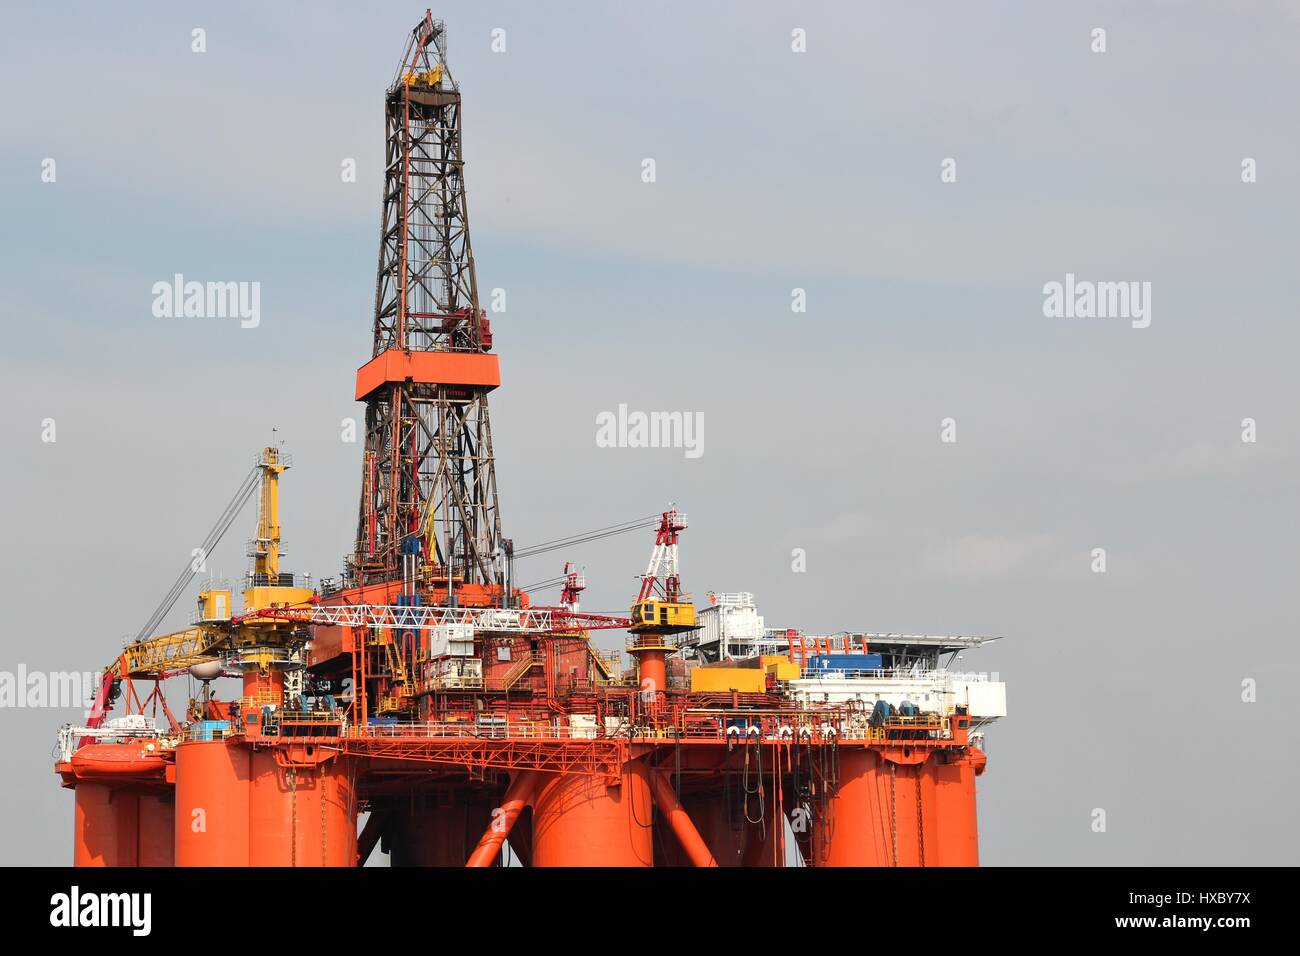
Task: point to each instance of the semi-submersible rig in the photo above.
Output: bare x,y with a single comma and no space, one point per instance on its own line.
425,694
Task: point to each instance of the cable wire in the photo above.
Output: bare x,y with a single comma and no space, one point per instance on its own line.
210,542
544,547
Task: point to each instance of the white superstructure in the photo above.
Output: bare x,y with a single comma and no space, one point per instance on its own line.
932,692
729,626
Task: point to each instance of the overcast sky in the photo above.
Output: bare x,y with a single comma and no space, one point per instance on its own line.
775,171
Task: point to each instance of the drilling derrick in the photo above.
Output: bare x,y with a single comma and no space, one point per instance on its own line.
427,469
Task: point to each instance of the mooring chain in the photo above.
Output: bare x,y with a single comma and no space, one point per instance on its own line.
920,825
893,807
293,804
321,783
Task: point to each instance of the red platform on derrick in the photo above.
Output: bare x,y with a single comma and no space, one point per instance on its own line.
472,369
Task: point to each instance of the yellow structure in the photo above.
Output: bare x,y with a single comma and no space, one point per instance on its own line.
213,633
782,667
214,604
267,587
662,617
426,77
746,680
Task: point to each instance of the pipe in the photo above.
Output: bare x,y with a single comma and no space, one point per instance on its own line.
518,795
696,849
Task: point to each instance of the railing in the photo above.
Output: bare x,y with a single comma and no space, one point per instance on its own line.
191,732
468,730
795,726
454,682
517,671
282,459
731,599
284,579
738,727
258,701
424,617
69,737
734,726
307,723
893,674
617,682
520,668
653,642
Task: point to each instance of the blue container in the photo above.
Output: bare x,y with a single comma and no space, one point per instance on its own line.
844,662
209,729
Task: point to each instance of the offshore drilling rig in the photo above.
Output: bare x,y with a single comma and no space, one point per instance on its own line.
425,693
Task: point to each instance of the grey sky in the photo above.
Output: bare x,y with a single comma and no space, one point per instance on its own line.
775,171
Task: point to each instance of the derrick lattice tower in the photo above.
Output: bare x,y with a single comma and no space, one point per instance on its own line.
428,483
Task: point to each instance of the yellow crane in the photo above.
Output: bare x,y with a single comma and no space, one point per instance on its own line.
216,629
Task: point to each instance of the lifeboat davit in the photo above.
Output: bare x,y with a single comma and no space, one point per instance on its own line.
136,760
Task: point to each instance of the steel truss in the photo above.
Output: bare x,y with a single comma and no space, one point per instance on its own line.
595,756
428,467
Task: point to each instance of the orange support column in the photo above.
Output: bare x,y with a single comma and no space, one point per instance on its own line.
901,814
953,788
905,813
578,820
696,849
518,795
156,829
301,816
212,788
107,826
856,829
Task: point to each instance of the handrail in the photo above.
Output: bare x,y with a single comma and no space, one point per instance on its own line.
713,727
894,674
519,669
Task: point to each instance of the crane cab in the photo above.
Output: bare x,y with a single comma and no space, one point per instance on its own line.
663,617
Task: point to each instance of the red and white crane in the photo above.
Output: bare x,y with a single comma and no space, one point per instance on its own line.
661,579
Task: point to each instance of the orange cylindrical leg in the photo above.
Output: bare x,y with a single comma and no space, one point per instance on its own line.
886,814
156,844
906,812
301,816
953,788
856,829
212,788
580,821
106,826
122,825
